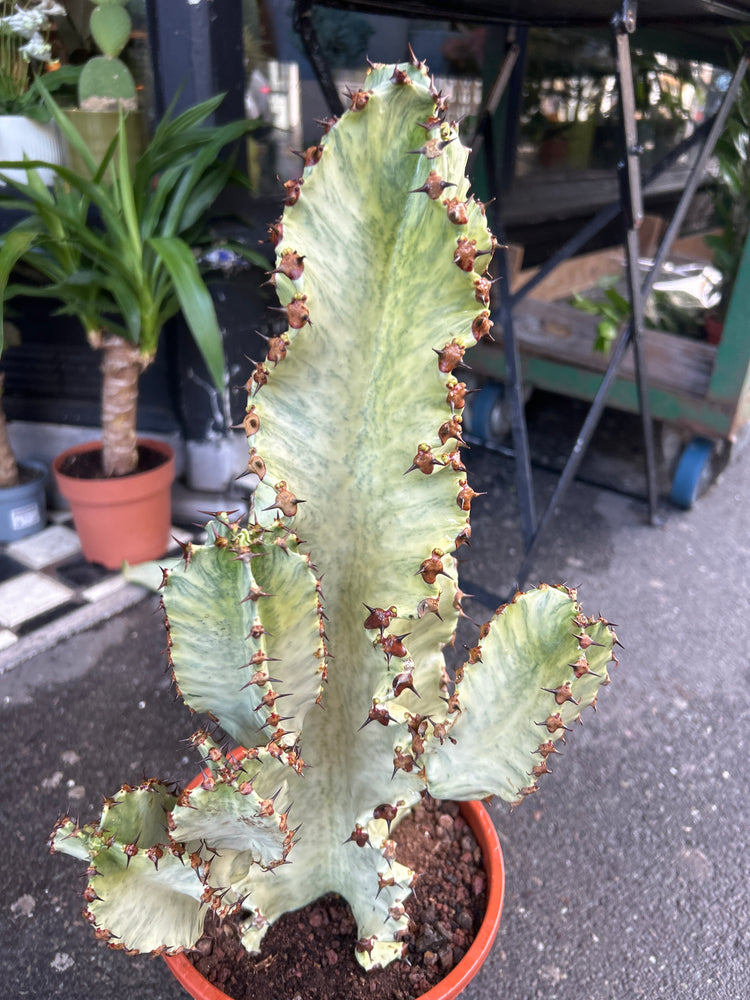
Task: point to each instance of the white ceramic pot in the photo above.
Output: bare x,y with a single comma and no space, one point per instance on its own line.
21,136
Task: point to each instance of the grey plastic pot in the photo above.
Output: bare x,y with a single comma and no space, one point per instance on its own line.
23,508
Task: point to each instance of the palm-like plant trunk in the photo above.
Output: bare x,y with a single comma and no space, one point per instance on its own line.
8,464
122,365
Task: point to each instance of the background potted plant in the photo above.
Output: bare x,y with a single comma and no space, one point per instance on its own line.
106,88
115,249
354,429
731,198
25,57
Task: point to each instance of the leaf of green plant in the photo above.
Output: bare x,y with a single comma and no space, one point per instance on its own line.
195,302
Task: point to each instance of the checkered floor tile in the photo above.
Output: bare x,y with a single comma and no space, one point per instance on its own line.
45,577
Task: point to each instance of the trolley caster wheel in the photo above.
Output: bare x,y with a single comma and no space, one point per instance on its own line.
487,419
694,474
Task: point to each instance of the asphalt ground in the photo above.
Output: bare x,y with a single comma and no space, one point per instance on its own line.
627,874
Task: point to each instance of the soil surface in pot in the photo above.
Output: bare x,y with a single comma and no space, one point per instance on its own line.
309,954
88,464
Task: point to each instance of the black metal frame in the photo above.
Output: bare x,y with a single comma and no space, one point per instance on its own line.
629,206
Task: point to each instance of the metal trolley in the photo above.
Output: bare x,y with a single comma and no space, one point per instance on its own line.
703,389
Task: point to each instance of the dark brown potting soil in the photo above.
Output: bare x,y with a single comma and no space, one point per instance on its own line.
309,954
27,474
88,464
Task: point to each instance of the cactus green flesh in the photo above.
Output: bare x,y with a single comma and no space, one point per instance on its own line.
324,657
277,635
106,82
110,28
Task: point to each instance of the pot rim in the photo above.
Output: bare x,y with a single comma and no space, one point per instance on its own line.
478,818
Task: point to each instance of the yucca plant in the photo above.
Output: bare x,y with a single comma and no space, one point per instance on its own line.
115,249
319,663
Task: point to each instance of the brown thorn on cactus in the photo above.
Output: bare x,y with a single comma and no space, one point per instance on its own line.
277,347
387,812
311,155
457,393
258,379
475,654
546,748
365,945
433,186
400,77
404,681
462,538
453,703
377,714
432,148
563,693
379,618
402,762
384,883
358,99
482,287
432,122
416,63
465,495
275,233
326,123
441,103
292,190
285,501
453,458
359,835
296,311
429,605
255,467
392,645
456,211
581,667
254,594
187,550
290,263
432,567
553,723
451,429
130,850
584,641
450,357
465,253
424,460
89,894
481,327
250,423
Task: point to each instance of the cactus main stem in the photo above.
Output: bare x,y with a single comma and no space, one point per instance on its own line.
313,635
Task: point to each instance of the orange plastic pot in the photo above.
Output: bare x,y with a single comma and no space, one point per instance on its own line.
127,518
459,978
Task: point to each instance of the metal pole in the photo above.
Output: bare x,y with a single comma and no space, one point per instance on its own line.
623,25
304,26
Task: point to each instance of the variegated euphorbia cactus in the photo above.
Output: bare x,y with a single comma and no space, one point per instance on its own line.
322,659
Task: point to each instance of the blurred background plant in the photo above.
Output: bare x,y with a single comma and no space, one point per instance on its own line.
26,55
731,192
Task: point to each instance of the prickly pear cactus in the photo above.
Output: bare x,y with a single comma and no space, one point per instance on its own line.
106,83
322,659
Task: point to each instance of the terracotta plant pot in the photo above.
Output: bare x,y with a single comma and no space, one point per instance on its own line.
459,978
127,518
